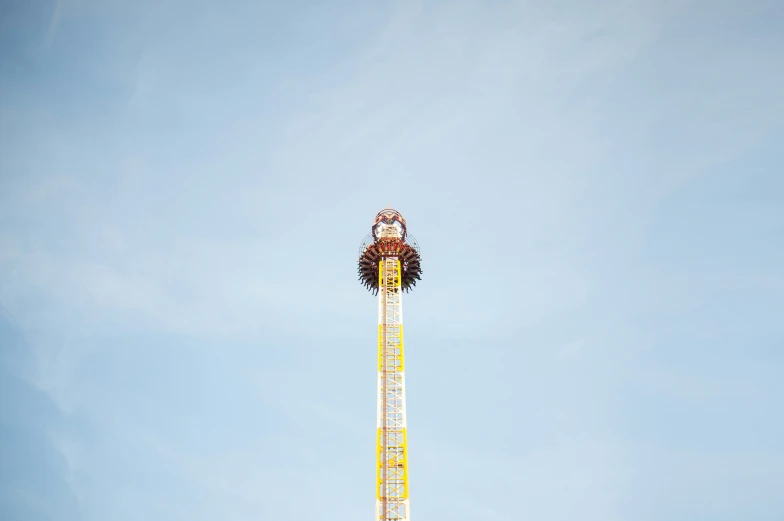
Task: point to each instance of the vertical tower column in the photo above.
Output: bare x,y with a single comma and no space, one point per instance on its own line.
392,451
389,263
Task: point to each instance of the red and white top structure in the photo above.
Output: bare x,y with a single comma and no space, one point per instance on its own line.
389,263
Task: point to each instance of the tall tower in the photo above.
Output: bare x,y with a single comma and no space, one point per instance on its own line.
389,264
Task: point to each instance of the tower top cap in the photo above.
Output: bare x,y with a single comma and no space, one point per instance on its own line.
388,215
389,224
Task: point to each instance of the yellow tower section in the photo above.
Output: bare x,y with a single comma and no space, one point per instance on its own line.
392,451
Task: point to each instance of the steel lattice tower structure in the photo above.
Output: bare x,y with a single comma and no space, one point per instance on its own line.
389,263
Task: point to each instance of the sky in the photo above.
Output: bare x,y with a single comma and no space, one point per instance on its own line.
596,189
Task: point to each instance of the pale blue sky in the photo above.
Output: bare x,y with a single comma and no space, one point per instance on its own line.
597,189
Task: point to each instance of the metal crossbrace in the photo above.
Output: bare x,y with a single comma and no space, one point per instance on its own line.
393,478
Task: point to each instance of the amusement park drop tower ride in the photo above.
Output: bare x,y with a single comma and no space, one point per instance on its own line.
389,264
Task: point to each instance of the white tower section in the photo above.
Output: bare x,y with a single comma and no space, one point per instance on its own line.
392,448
